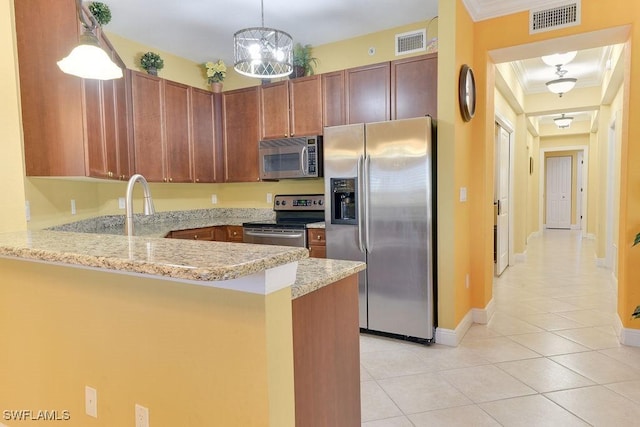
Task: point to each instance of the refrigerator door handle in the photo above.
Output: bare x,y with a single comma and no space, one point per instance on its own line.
360,200
367,191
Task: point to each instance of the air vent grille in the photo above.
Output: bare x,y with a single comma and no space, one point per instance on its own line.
561,16
413,41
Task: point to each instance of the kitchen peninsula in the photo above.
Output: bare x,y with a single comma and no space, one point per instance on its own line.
200,333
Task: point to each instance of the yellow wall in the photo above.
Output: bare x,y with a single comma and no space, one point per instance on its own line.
193,355
12,214
594,17
533,187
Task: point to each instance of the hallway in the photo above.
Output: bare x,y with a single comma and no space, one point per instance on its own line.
548,357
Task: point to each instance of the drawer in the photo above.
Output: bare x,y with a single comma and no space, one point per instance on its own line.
316,237
205,233
234,233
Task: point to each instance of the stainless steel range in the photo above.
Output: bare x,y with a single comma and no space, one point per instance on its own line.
293,213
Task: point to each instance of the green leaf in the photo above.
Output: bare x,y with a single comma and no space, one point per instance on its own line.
636,313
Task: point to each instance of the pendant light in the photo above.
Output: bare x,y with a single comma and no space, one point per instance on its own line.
263,52
559,58
88,60
562,84
563,121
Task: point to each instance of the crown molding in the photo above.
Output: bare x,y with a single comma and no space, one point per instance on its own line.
480,10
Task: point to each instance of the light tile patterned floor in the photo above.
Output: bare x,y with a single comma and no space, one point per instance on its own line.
548,357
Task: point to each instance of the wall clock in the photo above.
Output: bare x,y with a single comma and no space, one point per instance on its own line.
467,93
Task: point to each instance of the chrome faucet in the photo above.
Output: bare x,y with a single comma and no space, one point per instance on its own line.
149,209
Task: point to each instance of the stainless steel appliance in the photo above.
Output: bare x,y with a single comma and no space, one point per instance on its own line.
299,157
378,182
289,228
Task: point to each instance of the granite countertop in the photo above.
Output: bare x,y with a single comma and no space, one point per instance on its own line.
170,258
314,273
316,225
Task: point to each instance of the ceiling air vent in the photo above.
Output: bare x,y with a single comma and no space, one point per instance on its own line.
413,41
553,18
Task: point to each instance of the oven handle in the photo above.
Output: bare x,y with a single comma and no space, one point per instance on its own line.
278,235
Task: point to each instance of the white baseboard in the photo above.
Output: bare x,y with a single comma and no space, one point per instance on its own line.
532,235
627,336
591,236
576,227
453,337
483,315
520,258
601,262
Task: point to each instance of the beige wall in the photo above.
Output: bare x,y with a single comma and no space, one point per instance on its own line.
193,355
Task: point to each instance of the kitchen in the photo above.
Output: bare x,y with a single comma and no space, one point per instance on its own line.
44,190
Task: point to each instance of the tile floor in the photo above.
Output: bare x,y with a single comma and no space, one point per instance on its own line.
548,357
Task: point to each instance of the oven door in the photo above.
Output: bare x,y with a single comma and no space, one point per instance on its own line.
275,236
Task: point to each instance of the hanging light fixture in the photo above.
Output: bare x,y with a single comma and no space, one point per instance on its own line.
562,84
559,58
563,121
262,52
88,60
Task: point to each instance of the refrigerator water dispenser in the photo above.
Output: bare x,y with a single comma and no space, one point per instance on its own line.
343,201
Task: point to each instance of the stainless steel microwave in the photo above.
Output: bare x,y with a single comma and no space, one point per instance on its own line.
299,157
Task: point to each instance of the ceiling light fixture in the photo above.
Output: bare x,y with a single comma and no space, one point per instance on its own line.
88,60
563,122
263,52
563,84
559,58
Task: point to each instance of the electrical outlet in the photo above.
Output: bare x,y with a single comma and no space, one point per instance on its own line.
269,198
214,199
463,194
142,416
73,207
466,281
121,204
91,401
27,210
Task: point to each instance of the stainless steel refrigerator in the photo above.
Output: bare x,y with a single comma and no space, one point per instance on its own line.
379,193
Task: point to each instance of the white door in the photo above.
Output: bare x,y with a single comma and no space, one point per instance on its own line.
558,192
501,199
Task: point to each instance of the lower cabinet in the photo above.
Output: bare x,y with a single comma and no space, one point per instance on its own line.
326,355
317,243
219,233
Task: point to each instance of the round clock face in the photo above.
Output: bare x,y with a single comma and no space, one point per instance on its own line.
467,93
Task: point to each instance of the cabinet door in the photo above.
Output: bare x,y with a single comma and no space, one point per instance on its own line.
203,133
177,129
95,138
241,134
414,84
333,99
148,135
368,93
305,106
51,101
234,233
274,110
124,147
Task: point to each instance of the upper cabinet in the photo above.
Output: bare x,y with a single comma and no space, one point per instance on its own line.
333,99
291,108
72,127
368,93
414,87
206,132
241,134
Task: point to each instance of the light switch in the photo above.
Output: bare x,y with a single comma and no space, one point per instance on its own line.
463,194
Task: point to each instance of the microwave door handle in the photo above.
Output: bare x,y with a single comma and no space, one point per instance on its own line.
360,202
304,160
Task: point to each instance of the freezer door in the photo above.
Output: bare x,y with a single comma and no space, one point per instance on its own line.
343,154
399,268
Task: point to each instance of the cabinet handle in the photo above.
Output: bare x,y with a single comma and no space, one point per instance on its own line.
319,237
110,174
170,179
164,179
195,237
197,180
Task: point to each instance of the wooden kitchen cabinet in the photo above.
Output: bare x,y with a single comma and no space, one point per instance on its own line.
368,93
161,128
204,233
241,135
234,233
206,115
291,108
71,126
317,242
414,87
333,99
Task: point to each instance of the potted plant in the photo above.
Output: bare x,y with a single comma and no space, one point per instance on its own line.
303,62
101,12
151,62
216,72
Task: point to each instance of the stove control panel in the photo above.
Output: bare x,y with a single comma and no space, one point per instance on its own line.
298,202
